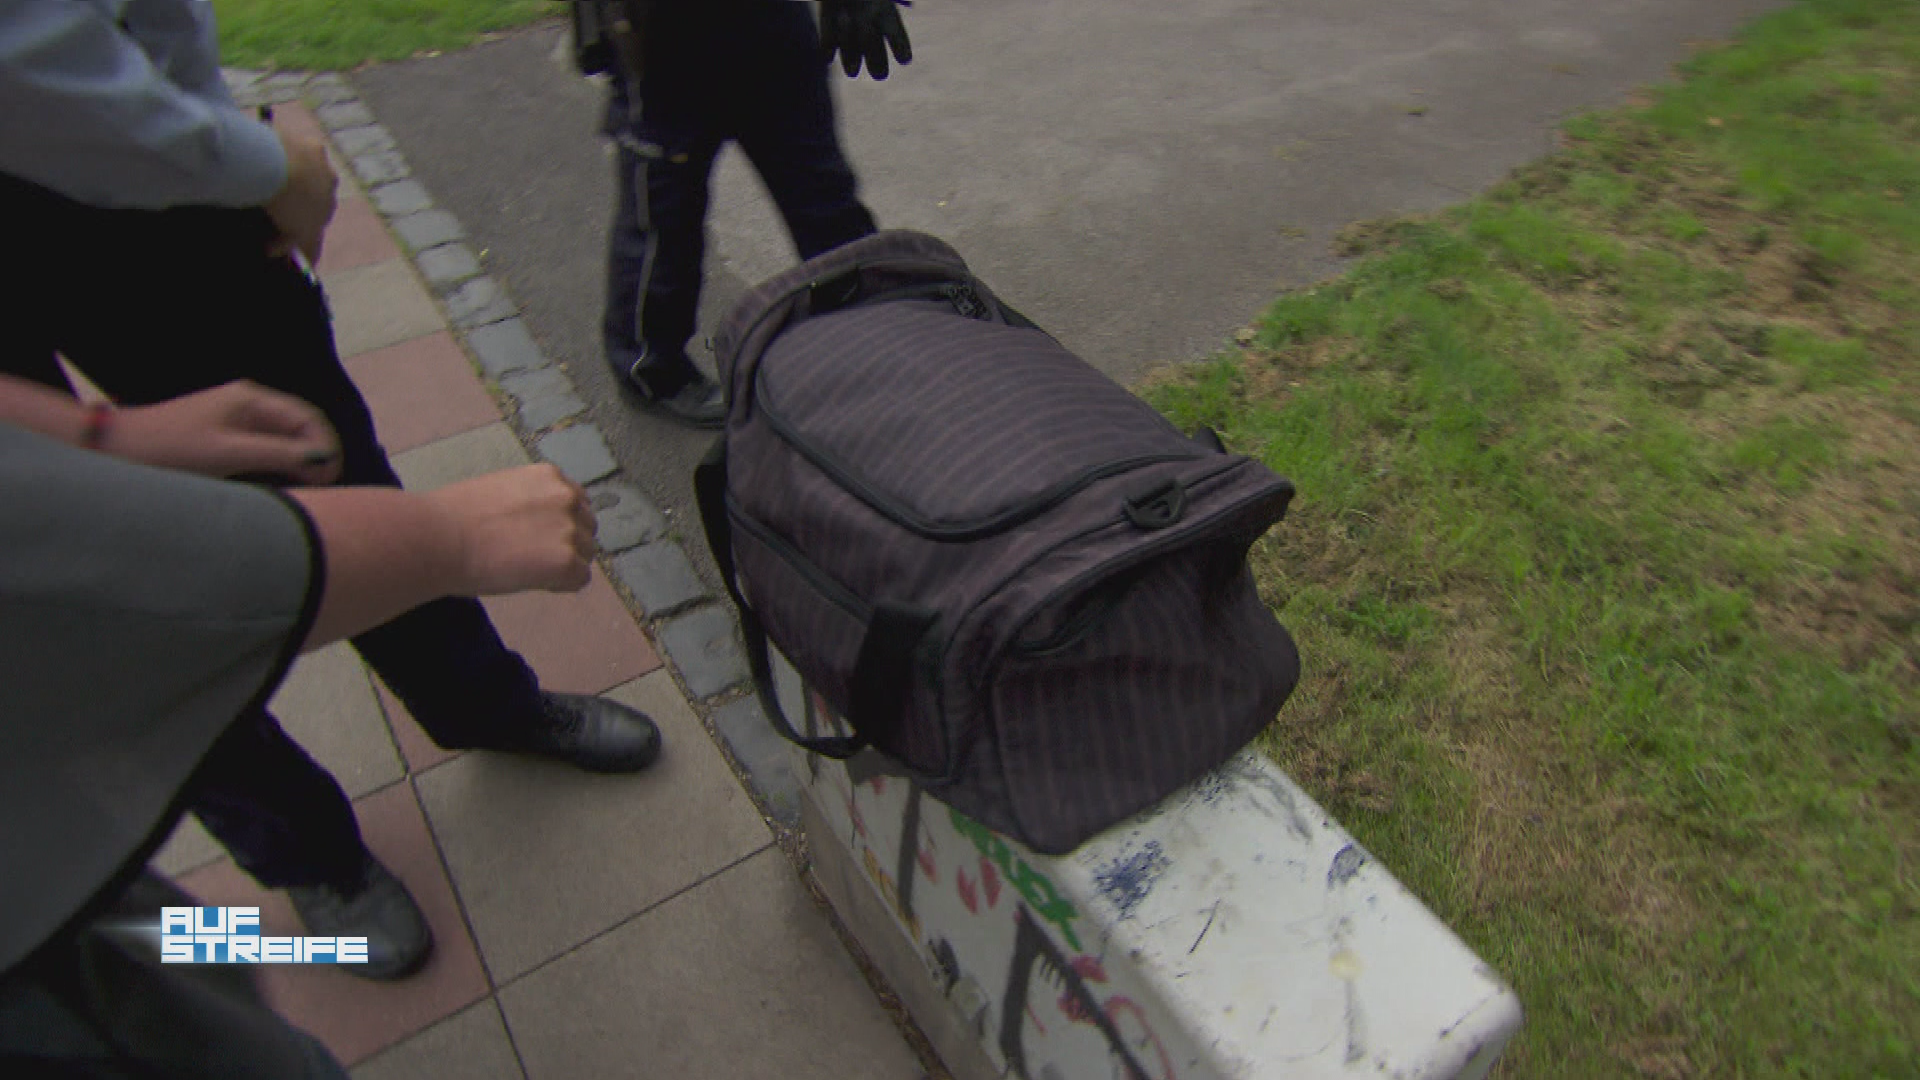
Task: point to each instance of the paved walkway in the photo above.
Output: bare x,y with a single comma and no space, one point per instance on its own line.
588,926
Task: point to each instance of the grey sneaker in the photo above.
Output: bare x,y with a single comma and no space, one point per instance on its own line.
379,909
698,402
701,404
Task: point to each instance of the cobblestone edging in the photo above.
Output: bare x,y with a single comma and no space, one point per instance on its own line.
694,629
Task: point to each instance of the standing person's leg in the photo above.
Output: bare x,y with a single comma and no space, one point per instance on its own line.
154,305
193,301
283,817
288,824
657,249
97,1001
785,124
92,285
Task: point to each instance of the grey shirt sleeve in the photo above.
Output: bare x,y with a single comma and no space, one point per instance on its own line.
91,114
141,611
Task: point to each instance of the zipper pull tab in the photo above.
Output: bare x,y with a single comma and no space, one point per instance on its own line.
965,300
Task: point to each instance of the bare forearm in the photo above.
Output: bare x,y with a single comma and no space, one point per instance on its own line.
42,410
387,552
225,431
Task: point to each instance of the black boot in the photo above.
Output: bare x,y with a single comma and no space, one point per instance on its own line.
593,733
377,907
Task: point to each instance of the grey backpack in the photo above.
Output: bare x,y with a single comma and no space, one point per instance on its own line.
1010,575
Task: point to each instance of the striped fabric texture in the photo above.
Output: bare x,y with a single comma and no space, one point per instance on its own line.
898,436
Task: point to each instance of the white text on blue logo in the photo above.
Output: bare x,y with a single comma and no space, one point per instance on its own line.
231,935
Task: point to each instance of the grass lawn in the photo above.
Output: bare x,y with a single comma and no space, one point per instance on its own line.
1606,561
337,35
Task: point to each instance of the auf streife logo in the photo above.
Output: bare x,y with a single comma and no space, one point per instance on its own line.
231,935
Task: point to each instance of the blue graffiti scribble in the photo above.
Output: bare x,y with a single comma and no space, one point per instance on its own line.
1127,881
1346,863
1215,786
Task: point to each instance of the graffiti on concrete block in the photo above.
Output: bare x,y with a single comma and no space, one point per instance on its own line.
998,937
1128,879
1346,863
1038,965
1033,886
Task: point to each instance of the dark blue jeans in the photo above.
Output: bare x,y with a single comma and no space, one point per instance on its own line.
153,305
745,71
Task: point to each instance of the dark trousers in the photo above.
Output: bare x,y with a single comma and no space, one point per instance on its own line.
746,71
96,1003
153,305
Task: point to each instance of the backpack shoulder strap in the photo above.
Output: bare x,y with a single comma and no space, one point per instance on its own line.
710,491
889,648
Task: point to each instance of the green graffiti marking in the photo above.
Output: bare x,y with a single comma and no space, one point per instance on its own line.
1033,886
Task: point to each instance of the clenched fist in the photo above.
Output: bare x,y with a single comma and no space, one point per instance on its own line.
524,528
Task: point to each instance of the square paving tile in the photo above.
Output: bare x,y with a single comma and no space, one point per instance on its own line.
417,748
546,856
353,1017
583,642
470,1045
328,706
460,457
189,848
379,305
741,977
421,390
349,189
355,237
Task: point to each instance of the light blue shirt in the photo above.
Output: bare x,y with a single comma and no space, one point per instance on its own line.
120,103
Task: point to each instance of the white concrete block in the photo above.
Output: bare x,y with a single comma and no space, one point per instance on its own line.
1234,932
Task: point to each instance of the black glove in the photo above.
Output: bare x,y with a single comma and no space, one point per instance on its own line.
864,30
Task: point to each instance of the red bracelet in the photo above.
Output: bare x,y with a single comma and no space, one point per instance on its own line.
99,417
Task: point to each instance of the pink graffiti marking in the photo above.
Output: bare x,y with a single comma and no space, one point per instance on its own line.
927,865
990,880
859,823
1070,1004
964,885
1140,1031
1035,1017
1089,968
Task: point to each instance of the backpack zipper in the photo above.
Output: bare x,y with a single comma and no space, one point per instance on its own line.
964,300
810,572
1133,564
973,530
1093,611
